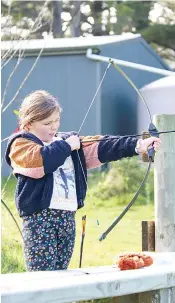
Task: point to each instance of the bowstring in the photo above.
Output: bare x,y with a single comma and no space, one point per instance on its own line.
94,97
86,114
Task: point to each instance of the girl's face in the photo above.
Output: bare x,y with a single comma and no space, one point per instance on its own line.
46,129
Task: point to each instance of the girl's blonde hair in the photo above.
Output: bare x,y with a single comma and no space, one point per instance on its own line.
37,106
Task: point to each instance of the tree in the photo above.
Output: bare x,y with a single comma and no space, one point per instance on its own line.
76,18
161,34
57,22
96,10
140,16
31,20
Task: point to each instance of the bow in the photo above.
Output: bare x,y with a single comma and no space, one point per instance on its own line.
9,211
152,131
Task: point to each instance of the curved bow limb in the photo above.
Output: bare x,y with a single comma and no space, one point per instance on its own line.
152,131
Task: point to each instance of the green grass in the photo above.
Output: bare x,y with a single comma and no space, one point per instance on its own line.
126,236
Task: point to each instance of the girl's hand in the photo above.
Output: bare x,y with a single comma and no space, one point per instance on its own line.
74,142
143,145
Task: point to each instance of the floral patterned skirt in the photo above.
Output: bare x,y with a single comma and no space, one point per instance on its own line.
49,238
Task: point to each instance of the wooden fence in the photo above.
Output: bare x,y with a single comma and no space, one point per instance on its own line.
137,286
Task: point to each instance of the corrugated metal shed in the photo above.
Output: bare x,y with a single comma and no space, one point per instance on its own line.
64,70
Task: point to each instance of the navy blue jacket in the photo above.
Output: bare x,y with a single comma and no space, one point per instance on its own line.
33,195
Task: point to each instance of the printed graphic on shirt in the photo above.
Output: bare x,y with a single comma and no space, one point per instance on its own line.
64,182
64,194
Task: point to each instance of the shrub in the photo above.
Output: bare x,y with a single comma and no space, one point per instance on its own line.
123,179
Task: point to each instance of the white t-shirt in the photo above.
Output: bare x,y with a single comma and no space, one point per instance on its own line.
64,188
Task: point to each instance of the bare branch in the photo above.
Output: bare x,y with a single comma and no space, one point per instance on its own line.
38,20
29,73
42,27
9,78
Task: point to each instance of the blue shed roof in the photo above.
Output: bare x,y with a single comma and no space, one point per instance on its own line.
63,46
67,43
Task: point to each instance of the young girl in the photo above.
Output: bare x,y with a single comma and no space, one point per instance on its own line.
51,170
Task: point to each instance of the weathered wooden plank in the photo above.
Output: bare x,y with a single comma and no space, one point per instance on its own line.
164,187
126,299
157,296
148,236
87,283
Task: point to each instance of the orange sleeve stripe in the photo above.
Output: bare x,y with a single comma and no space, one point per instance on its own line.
91,156
26,153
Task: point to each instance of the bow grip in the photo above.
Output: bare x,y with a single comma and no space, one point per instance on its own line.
154,133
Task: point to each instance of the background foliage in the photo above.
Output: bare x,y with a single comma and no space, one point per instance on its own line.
155,20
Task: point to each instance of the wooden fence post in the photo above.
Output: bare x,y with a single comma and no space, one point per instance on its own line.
164,186
164,199
148,236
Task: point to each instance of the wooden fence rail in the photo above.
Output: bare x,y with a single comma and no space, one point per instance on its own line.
94,283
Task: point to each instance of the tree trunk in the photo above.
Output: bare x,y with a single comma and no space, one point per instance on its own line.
57,23
96,9
75,23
